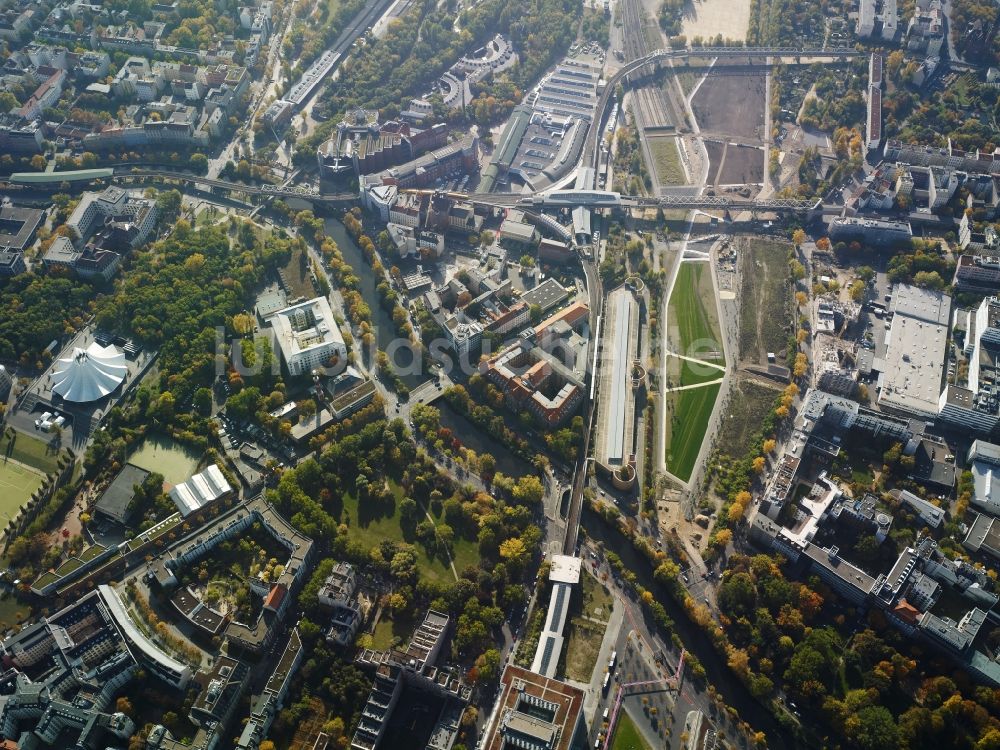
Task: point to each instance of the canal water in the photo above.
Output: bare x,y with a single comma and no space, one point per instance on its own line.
385,331
478,440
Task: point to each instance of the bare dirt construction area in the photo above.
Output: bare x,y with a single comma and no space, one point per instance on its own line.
709,18
732,164
741,165
731,102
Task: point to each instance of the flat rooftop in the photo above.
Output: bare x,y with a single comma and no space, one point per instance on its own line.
915,351
531,707
616,407
115,500
565,569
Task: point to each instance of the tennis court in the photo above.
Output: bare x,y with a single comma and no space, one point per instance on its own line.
16,485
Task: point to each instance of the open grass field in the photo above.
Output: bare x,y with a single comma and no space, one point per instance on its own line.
167,457
666,160
389,630
17,483
12,612
688,413
29,450
749,403
627,735
371,525
692,314
765,300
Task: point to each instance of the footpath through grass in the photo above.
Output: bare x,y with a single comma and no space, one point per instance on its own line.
374,523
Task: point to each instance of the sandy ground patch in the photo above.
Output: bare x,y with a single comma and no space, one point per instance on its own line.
707,18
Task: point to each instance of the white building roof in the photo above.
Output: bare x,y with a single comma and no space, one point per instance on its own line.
89,374
306,326
565,569
199,490
915,351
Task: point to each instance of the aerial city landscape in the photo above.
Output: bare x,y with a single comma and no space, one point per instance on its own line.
500,374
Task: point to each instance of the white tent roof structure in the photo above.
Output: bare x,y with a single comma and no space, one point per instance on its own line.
200,490
89,374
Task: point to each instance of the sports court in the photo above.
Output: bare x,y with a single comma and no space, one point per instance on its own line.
17,482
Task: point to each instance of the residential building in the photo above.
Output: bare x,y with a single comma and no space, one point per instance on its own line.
277,594
340,585
977,273
265,707
875,231
412,668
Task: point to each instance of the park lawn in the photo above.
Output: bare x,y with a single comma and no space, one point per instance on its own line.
371,529
30,451
627,735
17,484
692,313
666,160
692,410
12,612
388,629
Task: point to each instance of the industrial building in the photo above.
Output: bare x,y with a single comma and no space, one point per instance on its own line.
621,375
913,373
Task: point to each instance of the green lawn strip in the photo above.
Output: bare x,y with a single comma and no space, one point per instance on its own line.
692,312
693,409
627,735
693,373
